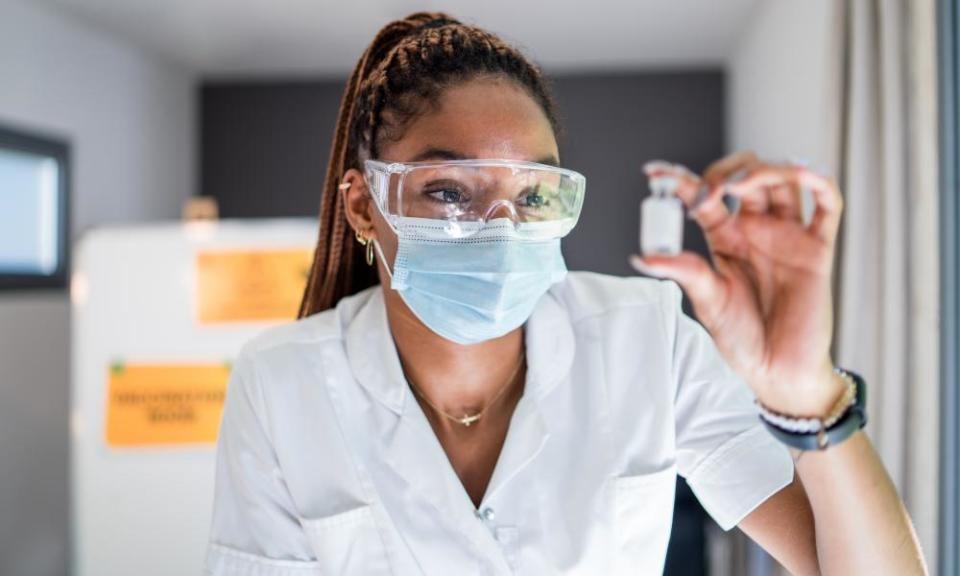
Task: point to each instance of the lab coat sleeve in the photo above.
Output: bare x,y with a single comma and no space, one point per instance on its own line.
728,458
254,528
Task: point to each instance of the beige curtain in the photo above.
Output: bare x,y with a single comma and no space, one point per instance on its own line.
887,322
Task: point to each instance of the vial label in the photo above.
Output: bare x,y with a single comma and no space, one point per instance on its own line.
661,225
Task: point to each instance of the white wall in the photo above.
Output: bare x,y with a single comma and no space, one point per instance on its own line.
783,83
129,118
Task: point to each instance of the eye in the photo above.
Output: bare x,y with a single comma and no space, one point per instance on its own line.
533,199
447,195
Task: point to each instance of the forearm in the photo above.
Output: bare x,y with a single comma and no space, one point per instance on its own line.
861,524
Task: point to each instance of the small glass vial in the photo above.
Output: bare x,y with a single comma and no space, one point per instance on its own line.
661,219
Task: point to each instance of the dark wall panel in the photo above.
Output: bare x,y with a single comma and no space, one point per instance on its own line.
613,124
264,146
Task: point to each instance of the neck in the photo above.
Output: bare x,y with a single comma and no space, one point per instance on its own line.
455,378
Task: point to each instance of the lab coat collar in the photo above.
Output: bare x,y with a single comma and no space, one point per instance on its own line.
376,365
373,355
550,345
410,447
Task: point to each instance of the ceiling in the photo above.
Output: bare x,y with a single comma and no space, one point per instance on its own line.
321,37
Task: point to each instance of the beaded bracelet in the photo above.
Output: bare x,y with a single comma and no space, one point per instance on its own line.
846,416
813,425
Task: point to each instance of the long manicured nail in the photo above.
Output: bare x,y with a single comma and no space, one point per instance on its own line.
798,162
640,265
737,176
732,203
657,166
702,194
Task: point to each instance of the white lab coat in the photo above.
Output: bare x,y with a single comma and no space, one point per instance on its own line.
326,463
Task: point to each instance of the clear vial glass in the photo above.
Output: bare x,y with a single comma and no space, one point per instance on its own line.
661,220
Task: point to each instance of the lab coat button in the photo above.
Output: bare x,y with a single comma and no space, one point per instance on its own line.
488,515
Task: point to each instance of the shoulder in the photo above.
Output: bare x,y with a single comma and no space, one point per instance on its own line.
277,371
326,328
589,294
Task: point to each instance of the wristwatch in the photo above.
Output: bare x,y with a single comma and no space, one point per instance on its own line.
817,434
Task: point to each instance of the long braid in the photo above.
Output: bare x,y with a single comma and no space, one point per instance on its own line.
327,254
409,63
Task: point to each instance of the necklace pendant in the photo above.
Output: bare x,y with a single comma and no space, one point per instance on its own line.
467,420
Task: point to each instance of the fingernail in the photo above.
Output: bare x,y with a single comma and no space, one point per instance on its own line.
684,170
732,203
657,166
702,193
641,266
737,176
798,161
638,263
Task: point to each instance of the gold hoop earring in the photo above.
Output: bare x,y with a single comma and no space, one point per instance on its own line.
364,241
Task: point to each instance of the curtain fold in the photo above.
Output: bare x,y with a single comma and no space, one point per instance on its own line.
888,277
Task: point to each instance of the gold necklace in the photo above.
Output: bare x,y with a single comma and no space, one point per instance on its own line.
468,419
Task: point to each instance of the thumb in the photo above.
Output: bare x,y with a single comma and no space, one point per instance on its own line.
691,271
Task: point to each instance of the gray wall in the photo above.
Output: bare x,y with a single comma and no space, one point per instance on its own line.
130,120
34,377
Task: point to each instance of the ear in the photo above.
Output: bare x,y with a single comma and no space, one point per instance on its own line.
357,203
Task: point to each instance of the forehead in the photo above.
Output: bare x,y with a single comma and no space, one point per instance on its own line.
481,118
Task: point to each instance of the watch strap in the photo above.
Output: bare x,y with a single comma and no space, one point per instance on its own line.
852,420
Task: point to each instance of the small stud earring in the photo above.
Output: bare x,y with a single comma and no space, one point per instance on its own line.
343,186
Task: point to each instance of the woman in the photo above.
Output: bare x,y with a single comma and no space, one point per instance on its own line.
451,401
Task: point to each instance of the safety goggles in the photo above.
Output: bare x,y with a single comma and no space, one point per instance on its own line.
540,200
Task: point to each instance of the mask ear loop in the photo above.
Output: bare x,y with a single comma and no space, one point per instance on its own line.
376,246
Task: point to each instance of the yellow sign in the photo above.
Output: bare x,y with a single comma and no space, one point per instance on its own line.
251,286
150,404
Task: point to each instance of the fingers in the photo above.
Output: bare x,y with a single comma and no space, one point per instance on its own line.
780,189
719,206
688,184
699,281
774,240
704,205
828,205
721,170
786,202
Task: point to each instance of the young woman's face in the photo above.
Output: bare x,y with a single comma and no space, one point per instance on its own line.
488,117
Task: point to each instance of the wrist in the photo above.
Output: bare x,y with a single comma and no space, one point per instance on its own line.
816,400
846,417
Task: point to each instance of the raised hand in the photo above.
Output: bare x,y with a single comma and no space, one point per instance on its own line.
767,298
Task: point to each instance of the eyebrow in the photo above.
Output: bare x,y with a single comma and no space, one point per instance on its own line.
434,153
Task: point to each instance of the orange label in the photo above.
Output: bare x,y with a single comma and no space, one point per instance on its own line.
151,404
245,286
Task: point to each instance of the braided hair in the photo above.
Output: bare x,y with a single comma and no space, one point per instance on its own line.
407,66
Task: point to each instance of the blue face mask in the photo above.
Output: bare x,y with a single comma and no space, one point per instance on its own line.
474,288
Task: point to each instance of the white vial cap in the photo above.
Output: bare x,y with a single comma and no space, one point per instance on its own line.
664,186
